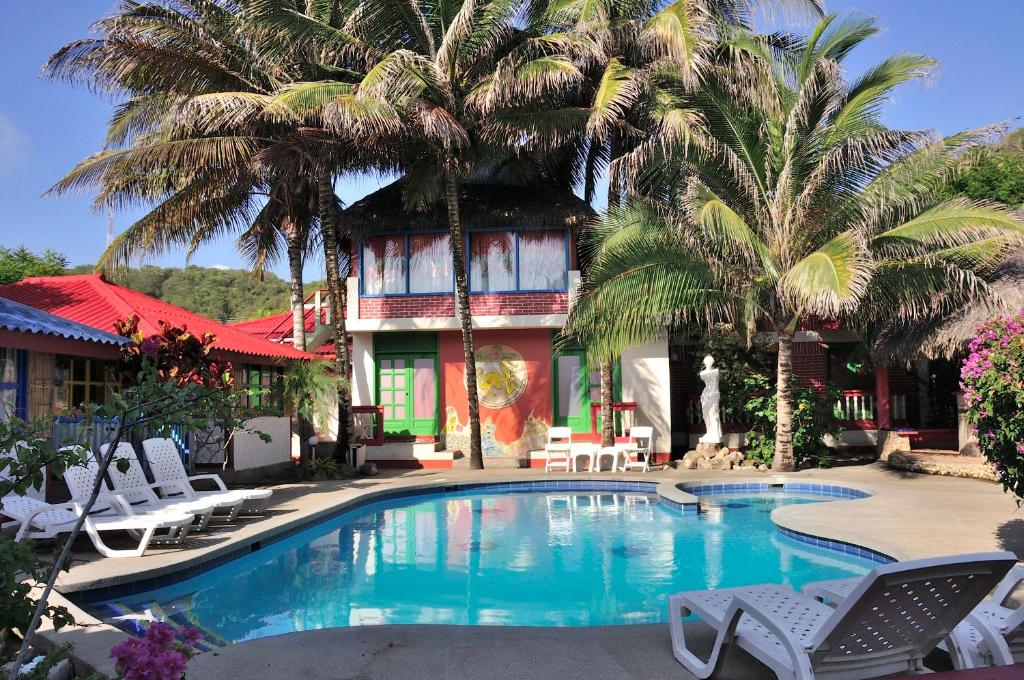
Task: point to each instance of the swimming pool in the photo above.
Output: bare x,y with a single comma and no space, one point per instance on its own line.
567,558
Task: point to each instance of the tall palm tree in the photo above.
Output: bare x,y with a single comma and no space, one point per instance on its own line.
598,66
415,107
787,199
193,76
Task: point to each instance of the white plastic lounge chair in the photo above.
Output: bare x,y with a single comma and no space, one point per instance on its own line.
558,450
895,615
169,473
81,478
37,519
641,443
992,635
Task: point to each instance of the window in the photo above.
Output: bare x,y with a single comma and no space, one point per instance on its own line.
265,381
407,264
517,260
86,380
430,263
12,383
383,265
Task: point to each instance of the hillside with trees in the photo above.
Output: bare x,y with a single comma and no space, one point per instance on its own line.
223,294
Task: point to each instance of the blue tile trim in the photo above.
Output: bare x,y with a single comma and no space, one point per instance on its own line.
698,489
838,546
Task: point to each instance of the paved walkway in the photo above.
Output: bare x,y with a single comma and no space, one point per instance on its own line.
908,516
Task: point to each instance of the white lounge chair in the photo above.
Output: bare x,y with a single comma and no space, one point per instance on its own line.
40,520
641,443
81,479
169,473
895,615
558,450
992,635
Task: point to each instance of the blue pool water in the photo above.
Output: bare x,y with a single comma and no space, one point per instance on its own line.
526,559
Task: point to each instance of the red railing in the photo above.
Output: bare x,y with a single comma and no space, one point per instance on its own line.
377,424
623,417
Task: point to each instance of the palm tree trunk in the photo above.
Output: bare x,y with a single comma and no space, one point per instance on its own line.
293,234
607,368
607,397
336,294
783,460
476,458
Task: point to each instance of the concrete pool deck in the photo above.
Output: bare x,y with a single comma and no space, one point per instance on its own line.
907,516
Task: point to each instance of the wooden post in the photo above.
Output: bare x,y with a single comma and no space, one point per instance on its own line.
883,420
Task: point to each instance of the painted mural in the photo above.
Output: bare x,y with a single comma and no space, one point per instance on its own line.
501,375
514,369
532,438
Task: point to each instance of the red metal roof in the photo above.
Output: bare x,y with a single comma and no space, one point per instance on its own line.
92,300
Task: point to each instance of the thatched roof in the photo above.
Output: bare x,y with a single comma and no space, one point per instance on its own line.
482,205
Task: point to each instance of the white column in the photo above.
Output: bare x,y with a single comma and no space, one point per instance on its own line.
645,381
362,369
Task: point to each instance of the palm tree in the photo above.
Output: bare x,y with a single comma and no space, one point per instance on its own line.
787,199
598,65
194,76
414,108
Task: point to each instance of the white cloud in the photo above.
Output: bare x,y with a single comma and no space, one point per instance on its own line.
13,146
219,266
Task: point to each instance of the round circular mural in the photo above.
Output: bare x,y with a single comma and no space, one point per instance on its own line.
500,375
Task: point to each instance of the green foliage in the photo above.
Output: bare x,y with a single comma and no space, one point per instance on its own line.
736,364
997,174
993,382
20,569
814,419
310,387
325,467
18,263
223,294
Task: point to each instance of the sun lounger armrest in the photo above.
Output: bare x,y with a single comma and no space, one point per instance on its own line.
26,522
177,486
211,477
1008,584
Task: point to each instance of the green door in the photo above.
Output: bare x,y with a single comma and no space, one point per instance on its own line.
576,388
407,390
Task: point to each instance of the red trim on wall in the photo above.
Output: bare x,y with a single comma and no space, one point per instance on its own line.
411,464
443,306
36,342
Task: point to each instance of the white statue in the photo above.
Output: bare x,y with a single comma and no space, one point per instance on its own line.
709,399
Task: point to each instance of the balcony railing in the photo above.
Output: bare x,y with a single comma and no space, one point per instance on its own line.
369,424
623,418
853,406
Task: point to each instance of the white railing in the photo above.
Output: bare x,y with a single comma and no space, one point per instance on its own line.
856,405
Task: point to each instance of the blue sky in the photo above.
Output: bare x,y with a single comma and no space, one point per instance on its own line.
46,127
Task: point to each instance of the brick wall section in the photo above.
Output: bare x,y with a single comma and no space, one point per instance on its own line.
434,306
809,364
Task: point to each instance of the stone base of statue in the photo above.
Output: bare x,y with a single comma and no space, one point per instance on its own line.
708,448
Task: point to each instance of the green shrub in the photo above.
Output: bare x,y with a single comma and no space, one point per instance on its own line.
814,418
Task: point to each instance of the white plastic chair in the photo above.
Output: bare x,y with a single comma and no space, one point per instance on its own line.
39,520
558,450
641,444
895,615
81,478
169,475
992,634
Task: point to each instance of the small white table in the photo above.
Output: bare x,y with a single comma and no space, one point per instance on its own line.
589,451
613,451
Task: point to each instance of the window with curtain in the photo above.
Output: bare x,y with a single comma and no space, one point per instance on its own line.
10,385
430,264
383,265
542,261
492,261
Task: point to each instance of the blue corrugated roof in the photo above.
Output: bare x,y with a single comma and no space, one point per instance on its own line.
15,316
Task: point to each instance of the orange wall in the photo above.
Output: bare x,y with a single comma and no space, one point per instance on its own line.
508,422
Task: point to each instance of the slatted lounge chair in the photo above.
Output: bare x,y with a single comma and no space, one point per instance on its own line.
895,615
81,478
169,472
558,450
40,520
992,635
